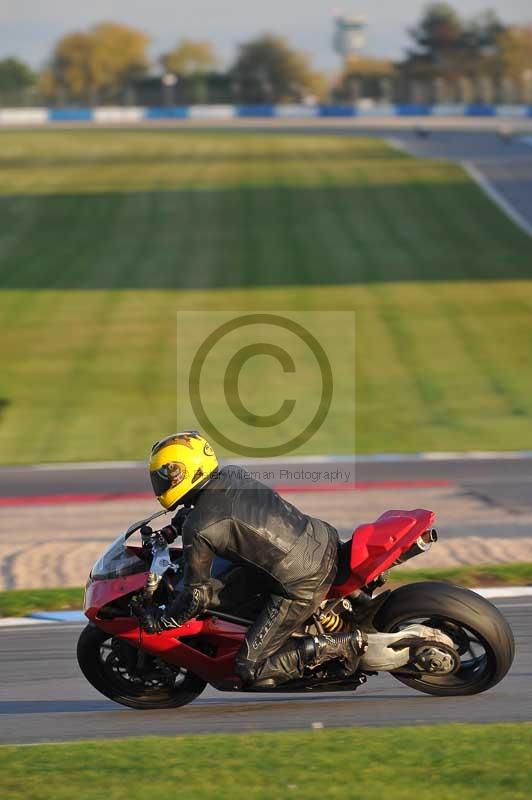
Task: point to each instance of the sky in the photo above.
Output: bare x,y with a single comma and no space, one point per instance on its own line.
29,28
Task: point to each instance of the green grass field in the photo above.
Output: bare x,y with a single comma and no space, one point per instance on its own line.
444,761
105,235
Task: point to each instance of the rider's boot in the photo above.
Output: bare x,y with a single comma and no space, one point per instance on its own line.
348,647
291,661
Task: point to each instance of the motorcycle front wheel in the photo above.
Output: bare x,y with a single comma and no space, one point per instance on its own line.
480,634
132,677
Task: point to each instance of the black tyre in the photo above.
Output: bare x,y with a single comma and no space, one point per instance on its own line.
479,631
132,677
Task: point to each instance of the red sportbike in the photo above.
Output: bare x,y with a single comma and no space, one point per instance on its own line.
434,637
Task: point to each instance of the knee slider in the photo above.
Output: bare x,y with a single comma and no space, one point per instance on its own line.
245,670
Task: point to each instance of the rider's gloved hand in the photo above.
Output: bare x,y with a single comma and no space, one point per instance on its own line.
155,620
172,531
189,603
150,619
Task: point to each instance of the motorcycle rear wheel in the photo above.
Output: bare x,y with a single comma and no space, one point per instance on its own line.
113,667
480,632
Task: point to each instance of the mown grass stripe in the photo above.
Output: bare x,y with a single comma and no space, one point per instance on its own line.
427,263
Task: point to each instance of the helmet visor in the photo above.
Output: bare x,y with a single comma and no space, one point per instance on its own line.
161,481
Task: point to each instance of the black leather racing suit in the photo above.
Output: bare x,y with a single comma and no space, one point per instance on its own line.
245,521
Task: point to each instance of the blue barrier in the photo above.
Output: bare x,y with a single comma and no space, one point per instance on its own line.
255,111
172,112
413,110
292,111
59,616
70,114
337,111
478,110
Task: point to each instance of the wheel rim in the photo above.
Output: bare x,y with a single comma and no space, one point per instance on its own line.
477,660
134,672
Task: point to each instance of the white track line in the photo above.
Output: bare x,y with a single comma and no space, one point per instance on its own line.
12,622
476,175
470,455
78,465
501,592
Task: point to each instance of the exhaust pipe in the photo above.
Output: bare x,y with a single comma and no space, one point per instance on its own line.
421,545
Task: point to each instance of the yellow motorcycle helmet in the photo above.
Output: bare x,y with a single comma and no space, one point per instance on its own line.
178,464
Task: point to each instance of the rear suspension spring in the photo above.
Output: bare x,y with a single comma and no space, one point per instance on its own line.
332,623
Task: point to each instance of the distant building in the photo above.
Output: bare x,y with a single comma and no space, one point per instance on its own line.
349,35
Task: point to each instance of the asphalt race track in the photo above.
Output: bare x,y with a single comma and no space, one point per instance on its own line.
501,481
44,697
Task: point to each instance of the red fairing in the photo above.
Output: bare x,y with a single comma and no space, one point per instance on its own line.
102,592
376,545
172,645
226,636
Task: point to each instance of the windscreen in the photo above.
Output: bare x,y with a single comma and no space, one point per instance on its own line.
117,562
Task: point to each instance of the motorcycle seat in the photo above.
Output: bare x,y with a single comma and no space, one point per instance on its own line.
354,551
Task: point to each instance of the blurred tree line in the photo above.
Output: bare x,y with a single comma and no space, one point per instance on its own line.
451,59
478,59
